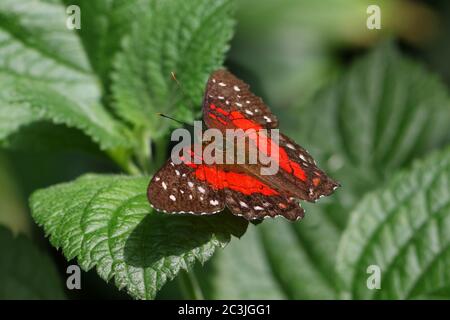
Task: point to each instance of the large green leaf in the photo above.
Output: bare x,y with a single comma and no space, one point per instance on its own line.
385,111
106,222
35,44
44,74
25,271
403,229
104,23
23,102
185,37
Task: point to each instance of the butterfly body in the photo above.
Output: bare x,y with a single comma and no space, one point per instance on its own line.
201,188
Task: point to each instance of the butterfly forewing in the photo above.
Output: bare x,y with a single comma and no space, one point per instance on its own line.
227,96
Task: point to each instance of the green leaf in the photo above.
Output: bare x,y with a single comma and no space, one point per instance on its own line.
403,229
104,23
27,102
44,75
37,46
189,38
25,271
106,222
385,111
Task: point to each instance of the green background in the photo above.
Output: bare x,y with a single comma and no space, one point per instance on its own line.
371,106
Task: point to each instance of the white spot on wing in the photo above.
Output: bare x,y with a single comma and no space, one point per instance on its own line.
172,197
164,185
222,84
236,88
190,184
202,190
214,202
267,119
243,204
249,112
290,146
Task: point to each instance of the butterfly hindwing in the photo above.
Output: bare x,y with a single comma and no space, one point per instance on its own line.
176,189
258,206
315,183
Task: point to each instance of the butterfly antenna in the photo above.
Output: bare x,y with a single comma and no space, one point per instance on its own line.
173,119
174,78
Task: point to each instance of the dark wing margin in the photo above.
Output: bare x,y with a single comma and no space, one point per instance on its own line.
318,183
257,206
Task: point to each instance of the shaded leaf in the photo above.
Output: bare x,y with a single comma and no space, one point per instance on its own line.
25,271
241,271
31,136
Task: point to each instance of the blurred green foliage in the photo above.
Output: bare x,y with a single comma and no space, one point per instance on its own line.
360,100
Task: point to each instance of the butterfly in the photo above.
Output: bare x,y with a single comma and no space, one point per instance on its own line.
200,188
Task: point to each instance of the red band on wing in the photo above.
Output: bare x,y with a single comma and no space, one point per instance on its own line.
242,122
239,182
263,143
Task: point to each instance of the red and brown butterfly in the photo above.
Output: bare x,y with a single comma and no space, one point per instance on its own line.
189,187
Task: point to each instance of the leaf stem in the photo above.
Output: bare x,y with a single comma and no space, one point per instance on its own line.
124,161
144,151
190,286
